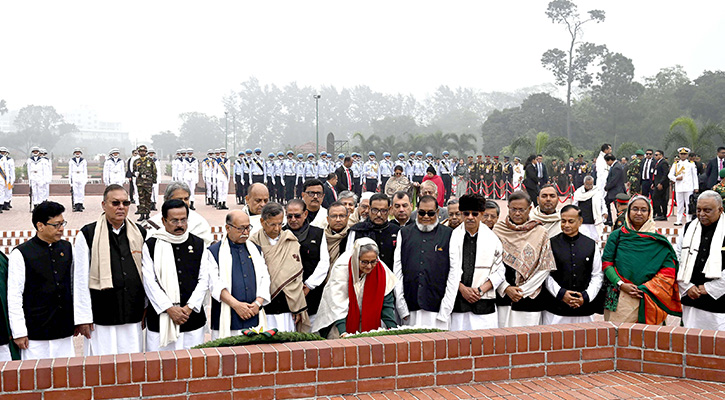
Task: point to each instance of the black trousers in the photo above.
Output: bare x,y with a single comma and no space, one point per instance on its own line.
257,178
646,187
289,187
298,188
357,186
270,188
371,185
534,194
279,189
238,187
447,181
659,201
383,182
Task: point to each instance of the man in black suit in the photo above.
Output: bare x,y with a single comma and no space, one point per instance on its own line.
660,186
330,192
713,168
543,175
615,183
647,172
344,176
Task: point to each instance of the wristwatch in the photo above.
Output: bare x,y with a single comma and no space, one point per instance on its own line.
619,284
258,304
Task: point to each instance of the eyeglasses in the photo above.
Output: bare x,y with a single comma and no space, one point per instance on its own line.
117,203
182,221
369,263
636,210
648,154
242,228
337,216
398,173
294,216
271,225
489,216
58,225
314,194
469,213
378,210
423,213
517,210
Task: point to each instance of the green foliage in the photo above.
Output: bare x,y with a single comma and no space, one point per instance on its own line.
391,332
279,337
627,149
166,143
199,130
37,126
554,147
684,132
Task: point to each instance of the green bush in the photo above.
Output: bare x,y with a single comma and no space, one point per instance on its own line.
390,332
279,337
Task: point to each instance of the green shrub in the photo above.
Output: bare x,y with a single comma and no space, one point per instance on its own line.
389,332
279,337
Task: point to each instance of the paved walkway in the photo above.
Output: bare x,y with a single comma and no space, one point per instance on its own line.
608,385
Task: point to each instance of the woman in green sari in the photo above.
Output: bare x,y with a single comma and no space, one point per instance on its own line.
641,269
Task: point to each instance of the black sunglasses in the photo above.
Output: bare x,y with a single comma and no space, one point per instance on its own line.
294,216
117,203
423,213
467,213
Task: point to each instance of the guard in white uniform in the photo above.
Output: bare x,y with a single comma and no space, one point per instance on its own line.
191,174
78,176
386,170
223,174
7,191
47,173
371,173
36,175
113,169
684,174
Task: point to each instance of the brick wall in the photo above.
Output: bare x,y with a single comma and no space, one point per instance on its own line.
309,369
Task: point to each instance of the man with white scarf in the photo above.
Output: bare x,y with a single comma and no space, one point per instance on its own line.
243,277
109,298
176,273
594,212
546,212
312,194
701,276
196,225
427,276
477,252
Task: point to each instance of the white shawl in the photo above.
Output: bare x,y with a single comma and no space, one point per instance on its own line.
489,261
691,246
582,194
225,274
320,220
165,271
550,222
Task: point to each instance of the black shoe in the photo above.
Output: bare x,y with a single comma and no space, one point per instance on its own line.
10,205
75,207
6,206
138,212
191,207
141,218
82,207
224,206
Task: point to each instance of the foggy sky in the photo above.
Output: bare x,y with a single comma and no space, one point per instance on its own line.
142,63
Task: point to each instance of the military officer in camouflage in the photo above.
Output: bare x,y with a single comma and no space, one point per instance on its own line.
720,187
144,169
634,174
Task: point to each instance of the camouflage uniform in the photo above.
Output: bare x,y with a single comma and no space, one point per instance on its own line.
720,189
144,169
634,176
620,221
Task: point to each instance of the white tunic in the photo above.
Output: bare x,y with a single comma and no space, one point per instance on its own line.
114,171
688,171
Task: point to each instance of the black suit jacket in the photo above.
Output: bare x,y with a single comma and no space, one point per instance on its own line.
615,181
342,179
661,171
544,174
652,163
712,175
329,195
531,181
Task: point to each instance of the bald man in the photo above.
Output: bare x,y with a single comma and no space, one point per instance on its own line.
257,197
243,277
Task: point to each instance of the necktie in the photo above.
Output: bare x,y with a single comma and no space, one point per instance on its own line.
334,193
719,160
349,181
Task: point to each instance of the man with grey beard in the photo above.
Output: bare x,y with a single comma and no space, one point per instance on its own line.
427,280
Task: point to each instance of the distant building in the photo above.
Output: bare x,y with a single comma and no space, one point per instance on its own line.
94,136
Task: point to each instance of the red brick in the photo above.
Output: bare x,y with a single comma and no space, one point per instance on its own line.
491,375
75,371
375,385
522,342
296,377
311,355
454,379
390,351
255,380
213,361
227,357
557,340
720,343
562,356
440,347
60,373
162,388
298,355
336,388
663,357
338,353
256,394
295,392
325,354
546,338
527,358
662,369
459,364
27,374
664,335
75,394
116,391
153,367
706,362
650,336
183,364
43,374
423,367
377,352
336,374
492,361
568,336
415,346
635,335
123,368
598,353
138,367
582,336
376,371
629,365
23,396
428,348
534,341
527,372
629,353
511,342
210,385
597,366
488,345
401,350
704,374
211,396
417,381
562,369
707,342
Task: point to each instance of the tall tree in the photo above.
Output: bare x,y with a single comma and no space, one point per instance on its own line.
38,126
558,147
705,97
572,65
200,131
166,143
684,132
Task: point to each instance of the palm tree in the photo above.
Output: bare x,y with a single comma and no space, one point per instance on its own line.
366,144
462,144
417,143
393,144
558,147
684,132
437,142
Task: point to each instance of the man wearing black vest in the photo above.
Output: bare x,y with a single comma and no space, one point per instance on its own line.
176,271
109,298
427,278
40,294
313,252
578,276
378,228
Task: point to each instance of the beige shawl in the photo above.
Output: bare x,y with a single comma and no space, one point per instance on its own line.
99,276
285,272
551,222
333,242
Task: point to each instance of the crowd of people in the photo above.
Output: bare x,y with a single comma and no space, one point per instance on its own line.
334,258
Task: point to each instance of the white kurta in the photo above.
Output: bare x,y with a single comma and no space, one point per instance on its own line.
470,321
700,319
5,353
509,318
197,226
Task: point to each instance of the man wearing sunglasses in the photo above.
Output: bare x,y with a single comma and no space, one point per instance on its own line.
109,297
427,280
244,278
313,194
477,252
39,279
313,252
